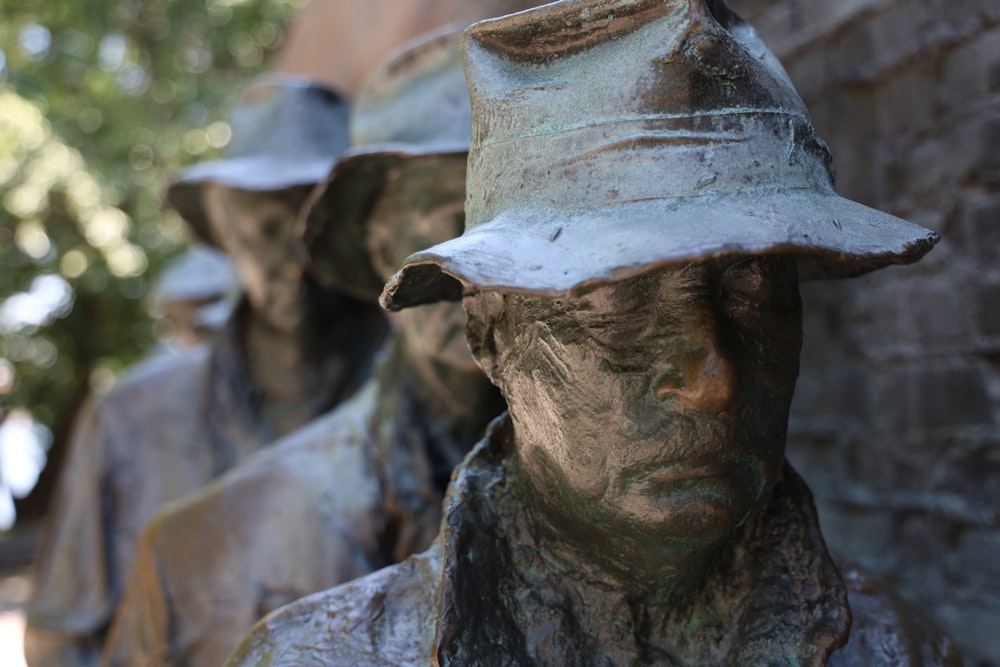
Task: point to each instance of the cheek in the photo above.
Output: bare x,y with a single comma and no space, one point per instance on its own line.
565,422
254,278
438,332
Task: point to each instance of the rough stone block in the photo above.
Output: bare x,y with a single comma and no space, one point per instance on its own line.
821,462
918,398
973,627
794,25
965,484
880,309
986,167
988,308
969,73
903,103
941,316
975,562
864,536
980,233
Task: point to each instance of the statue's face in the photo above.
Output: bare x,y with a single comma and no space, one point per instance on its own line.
257,230
656,405
419,208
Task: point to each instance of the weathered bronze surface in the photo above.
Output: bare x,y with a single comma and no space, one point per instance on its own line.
645,193
291,351
672,126
361,487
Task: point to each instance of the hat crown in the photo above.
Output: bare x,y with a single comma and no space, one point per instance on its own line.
286,118
200,273
615,137
286,132
402,187
417,96
654,98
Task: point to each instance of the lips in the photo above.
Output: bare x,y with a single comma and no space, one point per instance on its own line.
700,477
680,473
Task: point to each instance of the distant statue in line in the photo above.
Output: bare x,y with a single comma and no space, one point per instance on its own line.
194,295
645,192
291,351
361,487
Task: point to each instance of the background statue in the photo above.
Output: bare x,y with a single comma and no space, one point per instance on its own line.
359,488
194,295
645,193
291,351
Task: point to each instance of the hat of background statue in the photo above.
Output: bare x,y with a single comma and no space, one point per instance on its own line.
613,137
286,132
410,127
199,274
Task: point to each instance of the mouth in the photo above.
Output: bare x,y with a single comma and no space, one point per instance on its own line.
695,478
678,473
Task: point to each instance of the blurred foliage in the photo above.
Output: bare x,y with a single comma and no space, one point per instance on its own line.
99,102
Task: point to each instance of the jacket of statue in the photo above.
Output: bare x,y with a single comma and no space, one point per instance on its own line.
164,431
485,594
356,490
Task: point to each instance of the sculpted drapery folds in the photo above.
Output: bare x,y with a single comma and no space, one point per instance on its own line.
645,192
361,487
291,351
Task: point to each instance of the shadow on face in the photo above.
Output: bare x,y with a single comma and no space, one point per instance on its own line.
655,405
419,209
258,231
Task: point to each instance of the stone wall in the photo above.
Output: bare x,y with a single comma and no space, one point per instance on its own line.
896,420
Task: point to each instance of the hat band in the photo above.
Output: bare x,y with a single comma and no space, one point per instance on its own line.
649,158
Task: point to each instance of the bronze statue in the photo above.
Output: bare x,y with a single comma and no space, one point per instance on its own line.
645,192
194,295
361,487
290,352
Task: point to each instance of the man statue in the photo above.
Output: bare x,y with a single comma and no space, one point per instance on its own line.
361,487
645,191
290,352
194,296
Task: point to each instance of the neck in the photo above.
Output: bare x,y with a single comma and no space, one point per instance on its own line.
452,406
301,370
512,573
650,571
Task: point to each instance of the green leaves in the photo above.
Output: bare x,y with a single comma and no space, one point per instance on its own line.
99,103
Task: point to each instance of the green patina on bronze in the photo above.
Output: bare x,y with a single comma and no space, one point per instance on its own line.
613,138
645,193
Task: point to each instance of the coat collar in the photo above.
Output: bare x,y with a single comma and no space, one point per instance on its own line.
778,598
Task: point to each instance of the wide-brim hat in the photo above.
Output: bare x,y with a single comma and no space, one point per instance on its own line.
199,274
615,137
410,126
285,133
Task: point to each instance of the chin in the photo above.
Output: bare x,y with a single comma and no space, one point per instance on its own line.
699,507
284,319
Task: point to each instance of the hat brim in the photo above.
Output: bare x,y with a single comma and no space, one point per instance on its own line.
336,218
555,253
252,173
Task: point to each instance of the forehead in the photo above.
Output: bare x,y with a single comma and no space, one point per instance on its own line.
231,209
766,277
250,201
665,285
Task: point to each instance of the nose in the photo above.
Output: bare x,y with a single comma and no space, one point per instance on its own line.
703,377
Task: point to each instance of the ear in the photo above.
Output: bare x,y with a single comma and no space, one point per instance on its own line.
482,310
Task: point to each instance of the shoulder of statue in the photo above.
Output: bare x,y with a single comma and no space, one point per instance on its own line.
887,630
385,619
153,377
